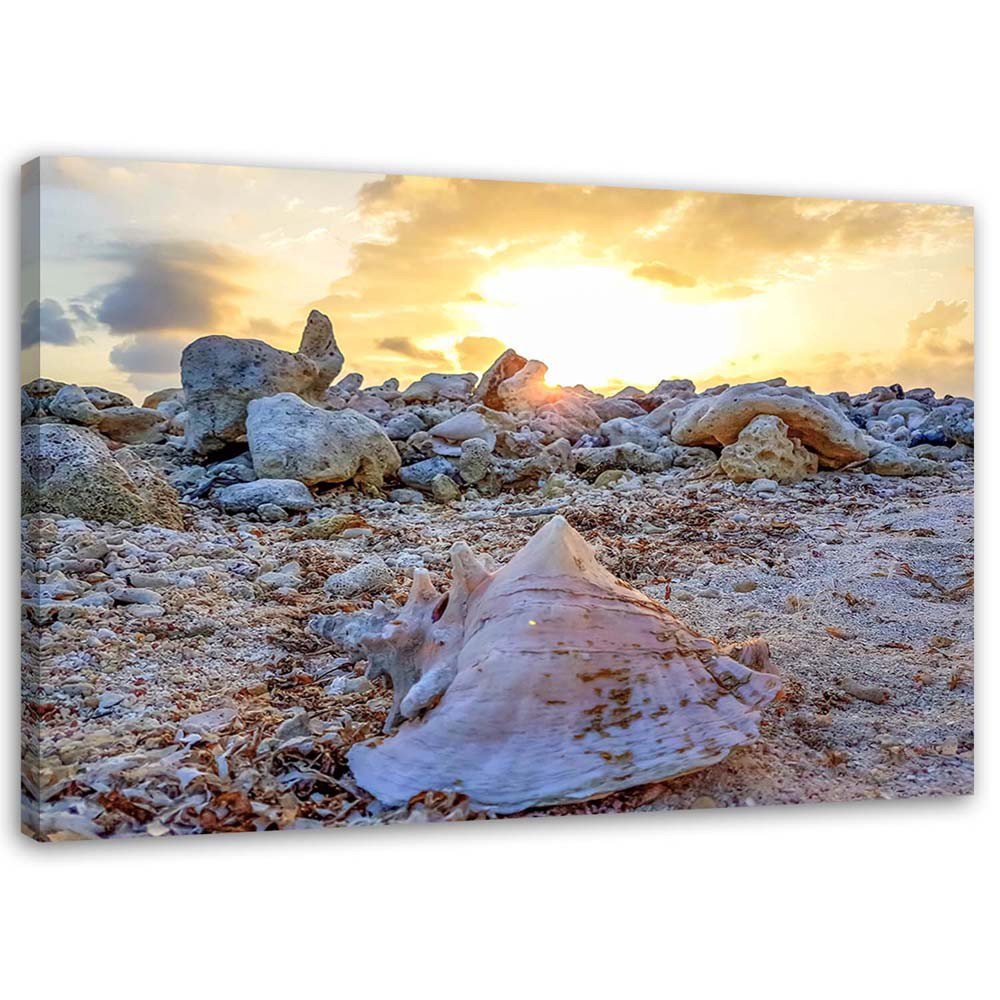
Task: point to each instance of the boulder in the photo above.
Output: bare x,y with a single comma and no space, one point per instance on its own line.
764,450
288,494
42,389
443,489
617,406
71,471
621,430
815,420
474,460
526,389
895,461
508,364
401,427
221,375
289,439
70,403
153,400
104,398
132,424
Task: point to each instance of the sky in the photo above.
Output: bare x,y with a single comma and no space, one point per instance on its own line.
609,286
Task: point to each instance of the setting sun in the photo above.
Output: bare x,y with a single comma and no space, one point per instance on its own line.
598,325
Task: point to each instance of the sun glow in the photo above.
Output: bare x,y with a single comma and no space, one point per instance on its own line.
597,325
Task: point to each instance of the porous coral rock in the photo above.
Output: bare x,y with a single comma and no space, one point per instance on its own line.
764,450
69,470
816,420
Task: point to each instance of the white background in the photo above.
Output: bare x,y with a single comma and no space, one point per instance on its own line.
856,99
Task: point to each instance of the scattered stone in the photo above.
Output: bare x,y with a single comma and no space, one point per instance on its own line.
609,476
420,475
443,489
289,494
132,424
368,577
272,513
895,461
474,460
405,496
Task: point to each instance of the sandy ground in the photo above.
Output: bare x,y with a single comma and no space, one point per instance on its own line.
191,720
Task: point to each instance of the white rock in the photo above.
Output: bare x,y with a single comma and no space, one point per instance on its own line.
368,577
289,439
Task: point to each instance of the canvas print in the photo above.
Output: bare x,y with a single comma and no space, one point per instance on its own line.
350,500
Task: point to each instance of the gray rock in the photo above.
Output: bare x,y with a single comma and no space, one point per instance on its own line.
136,595
289,439
221,375
27,406
420,475
443,489
621,430
474,460
289,494
272,513
368,577
401,427
70,403
70,471
895,461
406,496
297,727
693,457
593,461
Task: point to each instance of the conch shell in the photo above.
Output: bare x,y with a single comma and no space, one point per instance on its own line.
548,681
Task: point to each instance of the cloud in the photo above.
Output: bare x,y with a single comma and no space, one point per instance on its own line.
431,240
148,355
261,328
406,347
46,322
930,332
475,354
171,285
660,272
735,292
